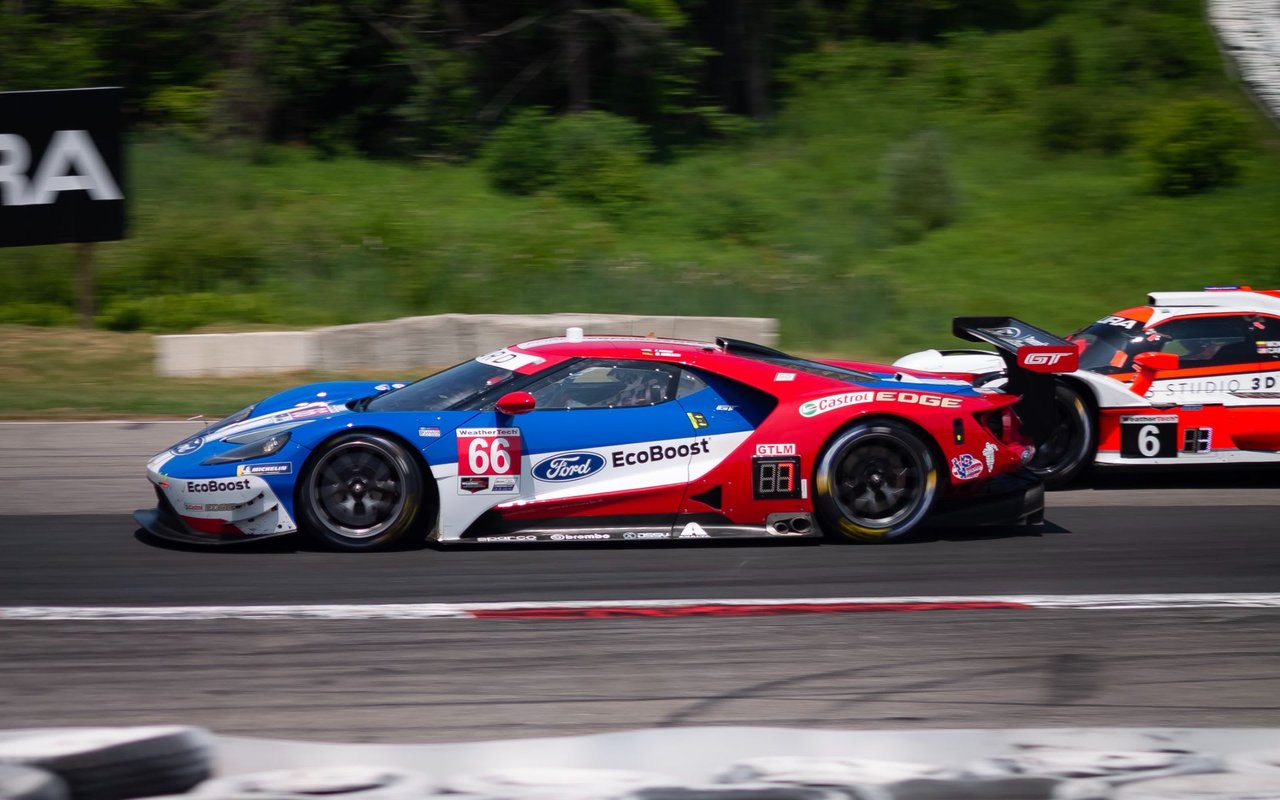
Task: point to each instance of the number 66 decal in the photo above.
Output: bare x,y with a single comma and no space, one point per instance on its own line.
489,451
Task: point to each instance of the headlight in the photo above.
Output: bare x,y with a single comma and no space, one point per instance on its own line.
239,416
263,445
258,434
193,443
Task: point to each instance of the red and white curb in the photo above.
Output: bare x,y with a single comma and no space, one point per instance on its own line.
603,609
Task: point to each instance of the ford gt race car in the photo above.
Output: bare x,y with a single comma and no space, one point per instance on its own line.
609,438
1191,378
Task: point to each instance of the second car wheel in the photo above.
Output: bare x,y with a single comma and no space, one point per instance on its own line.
1068,452
361,491
875,481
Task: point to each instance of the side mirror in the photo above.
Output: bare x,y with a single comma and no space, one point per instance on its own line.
1147,365
1156,362
514,403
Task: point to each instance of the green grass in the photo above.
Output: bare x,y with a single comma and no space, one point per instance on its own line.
51,373
789,223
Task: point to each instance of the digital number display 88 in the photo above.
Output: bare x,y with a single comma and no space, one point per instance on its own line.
775,477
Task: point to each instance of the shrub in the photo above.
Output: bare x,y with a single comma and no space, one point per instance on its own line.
1193,146
185,108
182,312
600,160
519,157
920,193
1063,63
1176,47
42,314
997,94
1064,121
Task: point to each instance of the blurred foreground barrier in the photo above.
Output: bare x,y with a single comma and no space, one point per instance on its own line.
416,343
670,764
1249,31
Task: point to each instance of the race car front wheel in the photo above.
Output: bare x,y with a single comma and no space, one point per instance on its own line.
362,491
1068,451
875,481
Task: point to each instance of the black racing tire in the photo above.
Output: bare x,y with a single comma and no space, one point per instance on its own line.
1068,453
118,763
360,491
874,482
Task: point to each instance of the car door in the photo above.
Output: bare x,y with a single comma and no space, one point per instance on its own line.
606,451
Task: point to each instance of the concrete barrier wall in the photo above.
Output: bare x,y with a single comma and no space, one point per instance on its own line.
416,343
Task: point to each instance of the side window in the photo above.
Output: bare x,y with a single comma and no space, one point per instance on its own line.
689,384
1266,341
1210,341
601,383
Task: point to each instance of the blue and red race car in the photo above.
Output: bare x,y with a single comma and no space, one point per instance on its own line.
613,438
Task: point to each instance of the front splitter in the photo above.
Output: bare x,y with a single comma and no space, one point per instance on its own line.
153,521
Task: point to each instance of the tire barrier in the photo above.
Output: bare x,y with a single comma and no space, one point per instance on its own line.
740,792
1220,786
554,784
1249,33
815,771
29,783
355,782
117,763
188,763
1109,766
1256,761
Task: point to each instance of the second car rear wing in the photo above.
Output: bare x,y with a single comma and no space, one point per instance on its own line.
1031,357
1022,346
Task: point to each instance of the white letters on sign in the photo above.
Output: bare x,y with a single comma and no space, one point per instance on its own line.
71,164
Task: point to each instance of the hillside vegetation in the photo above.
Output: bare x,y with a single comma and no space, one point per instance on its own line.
1055,173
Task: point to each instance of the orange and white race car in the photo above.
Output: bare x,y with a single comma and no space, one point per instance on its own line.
1191,378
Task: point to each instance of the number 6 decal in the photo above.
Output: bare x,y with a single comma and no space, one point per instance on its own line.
1148,436
489,451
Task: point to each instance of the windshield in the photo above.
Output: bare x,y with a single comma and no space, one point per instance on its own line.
444,390
1109,349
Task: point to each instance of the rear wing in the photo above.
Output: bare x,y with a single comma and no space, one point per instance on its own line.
1022,346
1031,357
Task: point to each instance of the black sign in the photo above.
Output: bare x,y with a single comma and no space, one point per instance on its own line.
61,171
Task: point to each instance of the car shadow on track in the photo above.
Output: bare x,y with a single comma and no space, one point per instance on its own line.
289,543
967,533
1208,476
297,543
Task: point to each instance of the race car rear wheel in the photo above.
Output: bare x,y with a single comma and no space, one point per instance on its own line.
875,481
1068,452
361,491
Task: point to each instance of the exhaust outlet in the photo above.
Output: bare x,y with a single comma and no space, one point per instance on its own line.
789,523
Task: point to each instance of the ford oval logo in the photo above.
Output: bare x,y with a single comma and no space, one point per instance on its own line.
568,467
189,446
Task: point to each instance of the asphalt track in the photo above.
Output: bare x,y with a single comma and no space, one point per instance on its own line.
458,680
